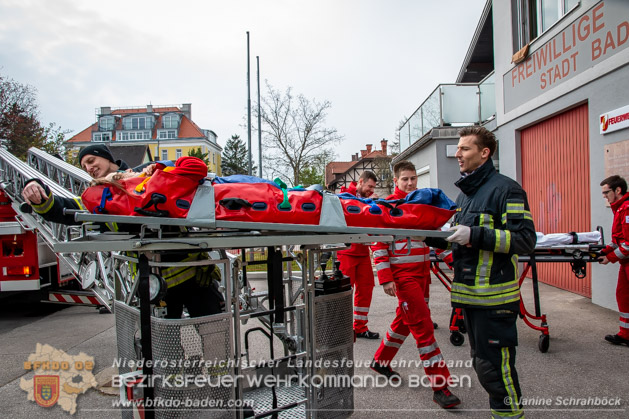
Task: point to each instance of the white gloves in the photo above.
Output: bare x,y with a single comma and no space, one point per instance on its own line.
461,235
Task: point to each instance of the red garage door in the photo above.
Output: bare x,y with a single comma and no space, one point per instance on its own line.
556,178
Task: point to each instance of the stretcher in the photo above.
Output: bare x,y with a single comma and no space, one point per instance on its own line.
577,249
311,327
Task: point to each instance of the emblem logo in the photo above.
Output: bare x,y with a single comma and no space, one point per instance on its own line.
46,390
604,122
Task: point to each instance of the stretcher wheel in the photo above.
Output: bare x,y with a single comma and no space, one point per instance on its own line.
457,339
544,343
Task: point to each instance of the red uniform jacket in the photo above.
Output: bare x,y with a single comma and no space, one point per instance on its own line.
401,263
618,250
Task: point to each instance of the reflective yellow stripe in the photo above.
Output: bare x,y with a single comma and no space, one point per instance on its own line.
175,276
178,274
486,300
485,258
507,379
503,241
515,206
44,206
516,209
79,203
511,415
489,289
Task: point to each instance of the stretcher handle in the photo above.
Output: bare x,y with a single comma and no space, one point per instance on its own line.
600,230
235,204
409,247
156,199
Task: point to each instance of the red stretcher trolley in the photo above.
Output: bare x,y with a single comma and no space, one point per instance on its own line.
578,249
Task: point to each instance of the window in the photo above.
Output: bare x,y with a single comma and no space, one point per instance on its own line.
177,153
106,123
101,137
213,157
170,121
137,123
164,154
531,18
167,134
134,135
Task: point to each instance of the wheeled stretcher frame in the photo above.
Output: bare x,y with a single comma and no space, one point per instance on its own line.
576,254
309,327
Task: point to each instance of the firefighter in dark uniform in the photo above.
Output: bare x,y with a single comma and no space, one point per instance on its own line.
189,286
492,226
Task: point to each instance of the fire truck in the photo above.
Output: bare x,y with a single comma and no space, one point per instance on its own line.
27,262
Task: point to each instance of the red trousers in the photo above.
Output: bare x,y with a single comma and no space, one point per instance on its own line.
622,298
360,272
413,317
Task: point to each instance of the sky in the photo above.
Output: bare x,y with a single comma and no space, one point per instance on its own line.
375,61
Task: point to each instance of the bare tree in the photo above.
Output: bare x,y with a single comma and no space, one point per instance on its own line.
294,132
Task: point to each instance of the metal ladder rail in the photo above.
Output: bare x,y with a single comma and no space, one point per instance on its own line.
64,174
14,174
76,181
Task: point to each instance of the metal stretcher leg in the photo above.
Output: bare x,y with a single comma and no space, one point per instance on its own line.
457,324
145,327
544,339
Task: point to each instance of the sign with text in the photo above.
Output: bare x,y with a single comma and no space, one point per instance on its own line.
617,159
591,38
614,120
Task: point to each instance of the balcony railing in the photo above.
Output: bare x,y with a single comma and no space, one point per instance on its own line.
450,105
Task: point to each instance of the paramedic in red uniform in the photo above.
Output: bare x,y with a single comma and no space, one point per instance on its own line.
406,275
356,262
614,189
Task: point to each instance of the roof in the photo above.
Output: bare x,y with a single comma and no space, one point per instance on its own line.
85,135
479,60
335,168
133,155
165,109
187,127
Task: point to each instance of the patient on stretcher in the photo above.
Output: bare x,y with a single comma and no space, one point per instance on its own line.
559,239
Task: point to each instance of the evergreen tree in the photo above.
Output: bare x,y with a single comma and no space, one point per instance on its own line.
198,153
235,159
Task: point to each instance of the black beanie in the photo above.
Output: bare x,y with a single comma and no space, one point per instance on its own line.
100,150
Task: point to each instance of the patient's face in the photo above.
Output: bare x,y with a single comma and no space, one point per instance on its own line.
97,166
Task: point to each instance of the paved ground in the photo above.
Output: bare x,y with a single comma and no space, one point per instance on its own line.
580,366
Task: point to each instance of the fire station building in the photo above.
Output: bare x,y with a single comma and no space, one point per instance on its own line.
550,78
